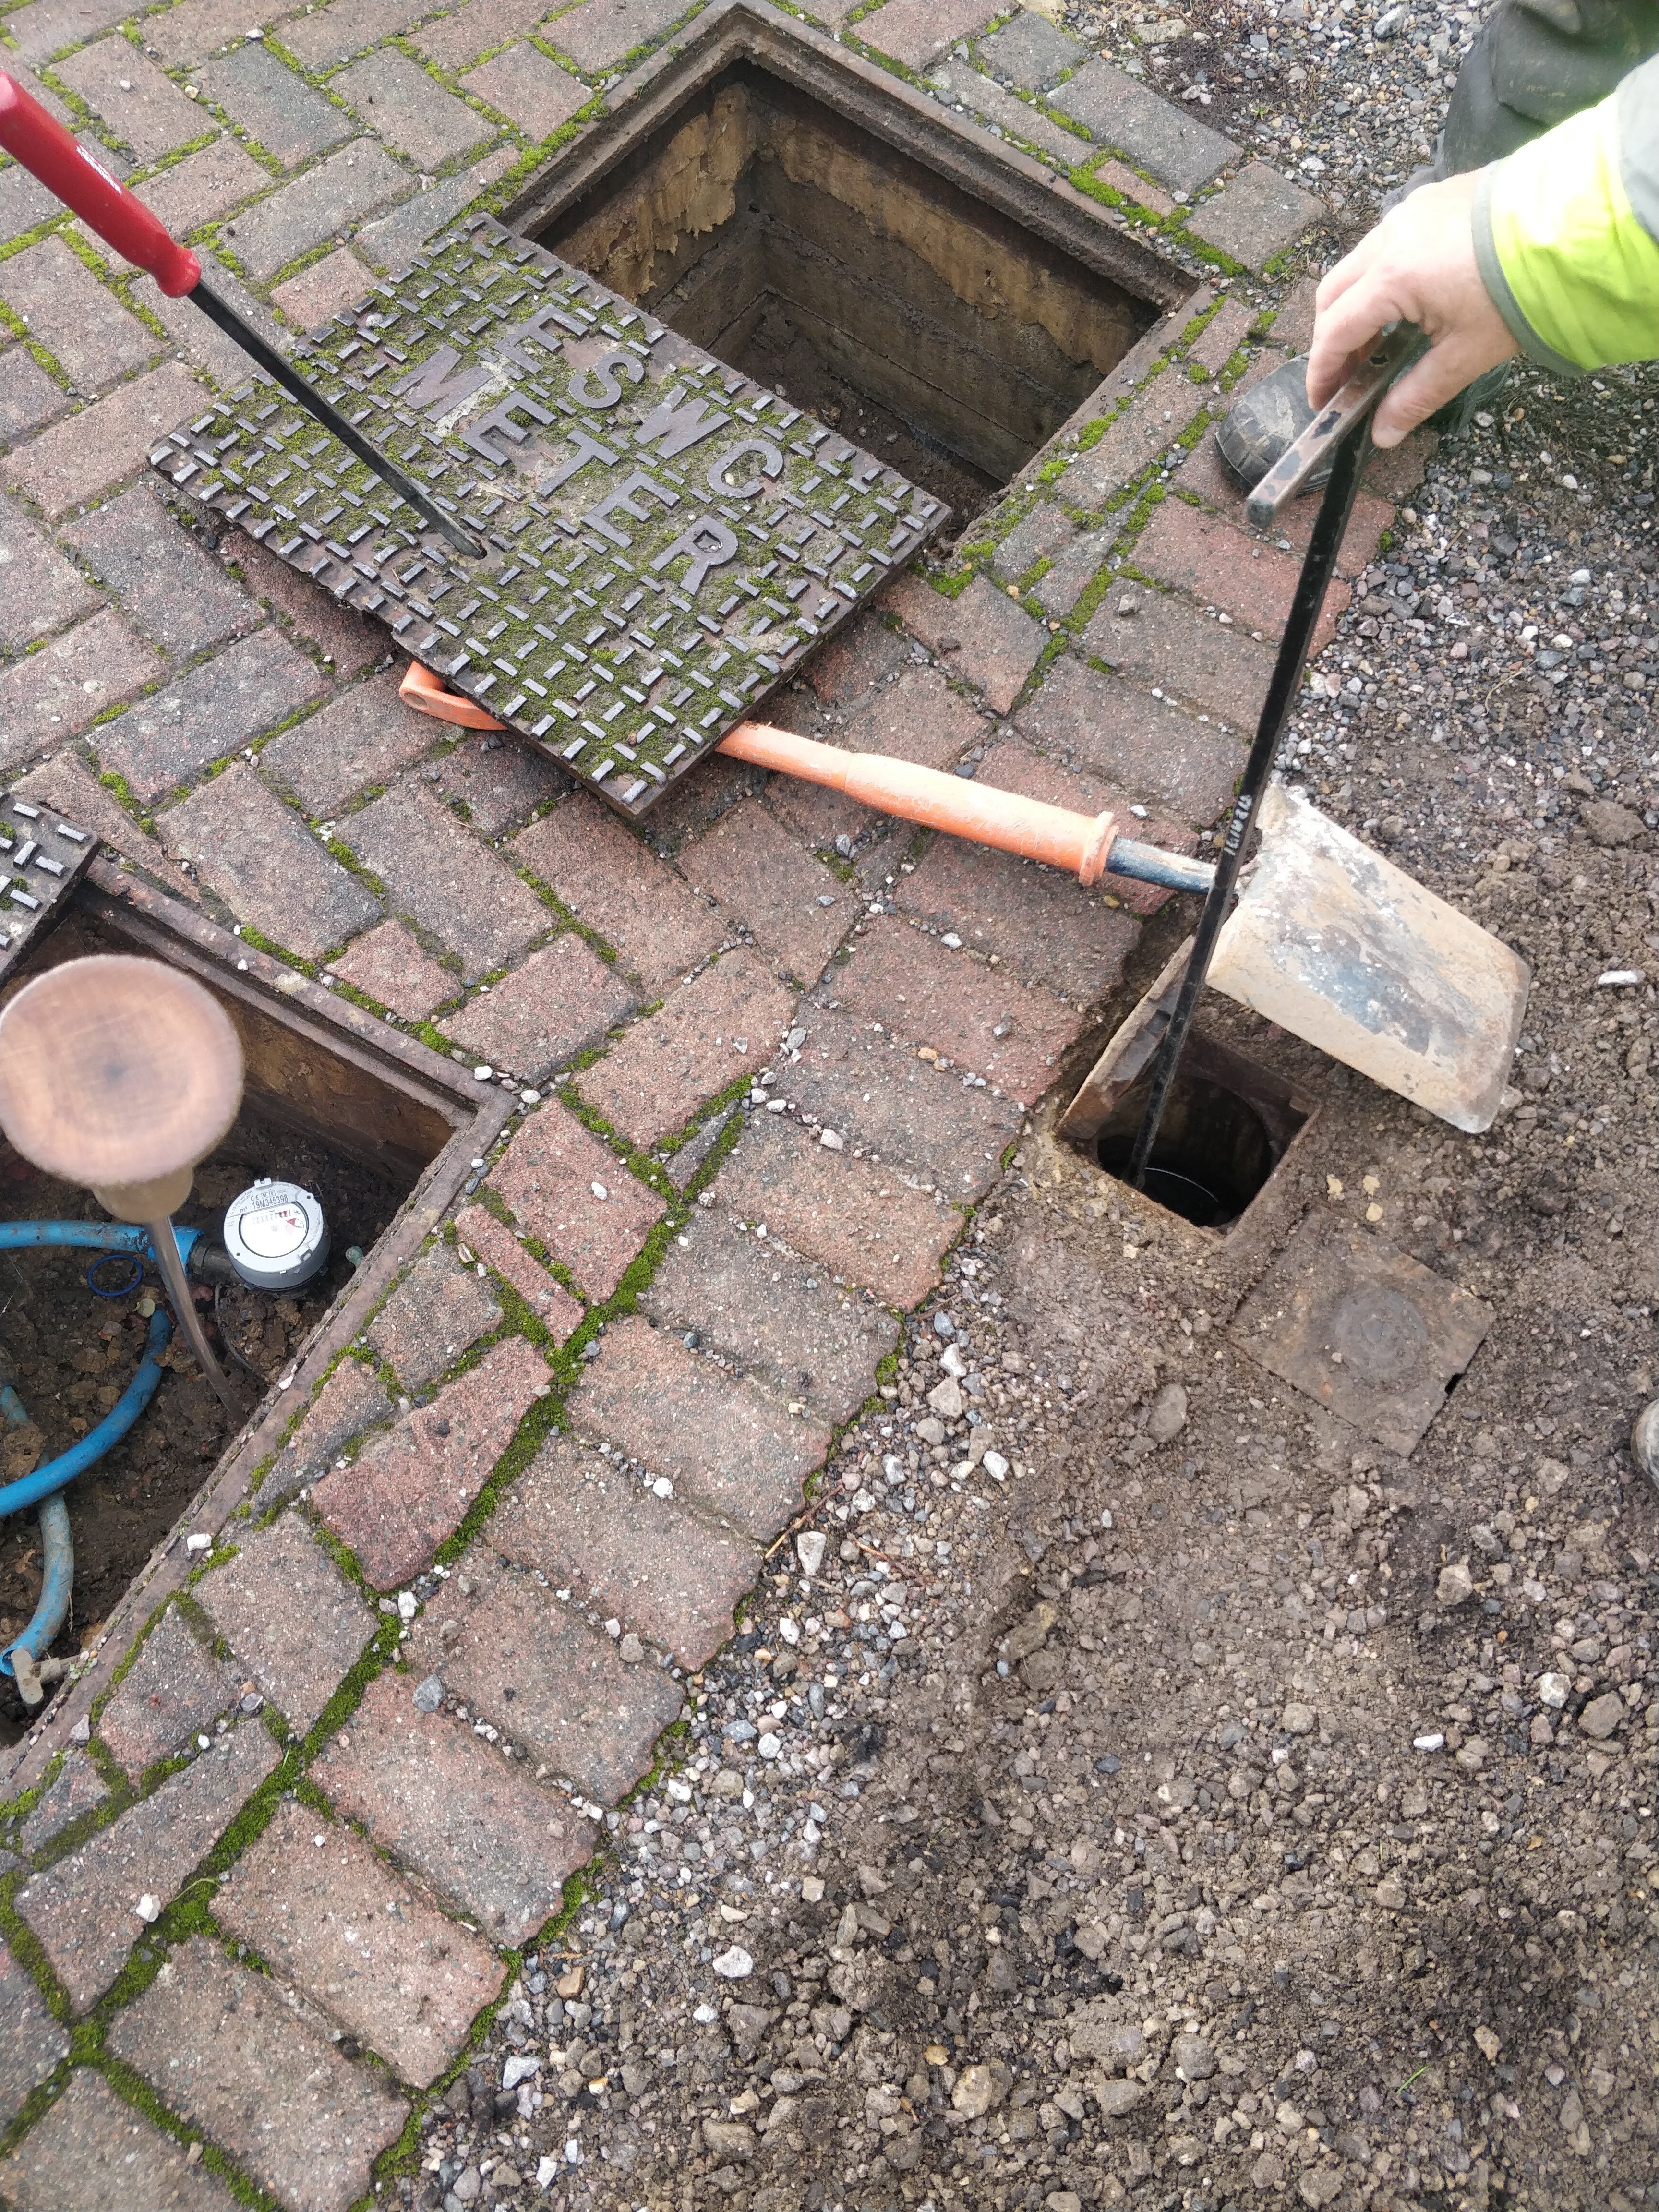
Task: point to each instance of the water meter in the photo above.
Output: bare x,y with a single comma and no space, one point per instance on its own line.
275,1236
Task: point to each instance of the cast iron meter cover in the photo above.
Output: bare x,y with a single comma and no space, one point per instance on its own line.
667,540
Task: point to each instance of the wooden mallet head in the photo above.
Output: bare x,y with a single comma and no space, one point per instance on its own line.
119,1074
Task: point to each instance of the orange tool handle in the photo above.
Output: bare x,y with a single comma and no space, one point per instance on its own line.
1079,844
45,149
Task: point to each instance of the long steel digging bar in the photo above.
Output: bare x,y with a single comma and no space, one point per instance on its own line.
45,149
1338,432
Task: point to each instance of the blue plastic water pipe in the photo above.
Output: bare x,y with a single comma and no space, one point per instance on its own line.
43,1486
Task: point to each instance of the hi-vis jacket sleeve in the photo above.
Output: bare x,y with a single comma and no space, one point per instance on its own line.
1567,233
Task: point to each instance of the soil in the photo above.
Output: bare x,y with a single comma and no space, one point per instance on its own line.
73,1353
784,360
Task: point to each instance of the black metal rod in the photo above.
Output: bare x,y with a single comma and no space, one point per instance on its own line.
1317,569
235,326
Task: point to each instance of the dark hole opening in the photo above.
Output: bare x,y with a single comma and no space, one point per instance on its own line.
1215,1148
833,266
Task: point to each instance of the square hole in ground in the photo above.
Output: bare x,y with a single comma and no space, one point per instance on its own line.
846,243
365,1118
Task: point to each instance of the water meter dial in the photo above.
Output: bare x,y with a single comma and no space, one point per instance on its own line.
275,1236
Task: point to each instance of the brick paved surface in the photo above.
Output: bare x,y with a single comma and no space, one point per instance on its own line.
173,1690
92,2150
448,1805
561,1000
496,1248
410,1488
534,1668
292,1619
236,734
209,2037
578,1199
84,1910
580,1520
367,1948
436,1313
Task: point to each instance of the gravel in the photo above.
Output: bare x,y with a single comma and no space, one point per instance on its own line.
1133,1782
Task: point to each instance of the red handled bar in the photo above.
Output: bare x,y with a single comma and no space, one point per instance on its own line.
46,150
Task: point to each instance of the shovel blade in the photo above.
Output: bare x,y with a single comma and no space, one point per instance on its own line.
1339,946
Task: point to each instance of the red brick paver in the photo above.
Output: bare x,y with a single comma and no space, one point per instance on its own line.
225,2049
394,968
437,872
43,590
396,97
872,1090
528,88
549,1178
475,28
168,586
602,32
1152,421
915,31
411,1487
171,1691
31,2041
795,908
1148,748
1042,923
265,863
862,1222
778,1317
361,737
585,1522
361,1942
290,1616
448,1805
562,999
917,717
337,281
495,1244
976,1017
104,443
77,1788
69,312
500,780
1221,566
436,1313
726,1023
93,2152
55,692
996,643
205,184
618,886
210,711
84,1910
532,1667
352,1399
728,1446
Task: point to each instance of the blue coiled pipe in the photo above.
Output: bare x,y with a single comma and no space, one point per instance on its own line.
42,1487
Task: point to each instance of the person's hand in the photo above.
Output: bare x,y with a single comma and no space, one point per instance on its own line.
1418,266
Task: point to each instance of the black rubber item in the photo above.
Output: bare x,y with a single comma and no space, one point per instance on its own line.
1266,421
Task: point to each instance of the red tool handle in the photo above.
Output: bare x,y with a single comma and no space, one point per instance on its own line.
45,149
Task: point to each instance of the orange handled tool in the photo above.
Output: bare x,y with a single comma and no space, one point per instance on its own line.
1086,845
45,149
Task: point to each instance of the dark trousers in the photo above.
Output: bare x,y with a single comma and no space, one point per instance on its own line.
1536,62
